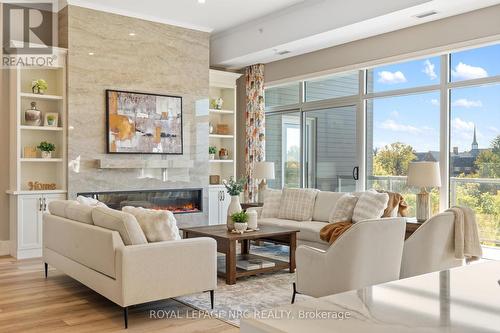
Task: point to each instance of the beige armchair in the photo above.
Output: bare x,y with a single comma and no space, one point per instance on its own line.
431,247
368,253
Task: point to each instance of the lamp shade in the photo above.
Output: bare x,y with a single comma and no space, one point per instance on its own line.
424,174
264,170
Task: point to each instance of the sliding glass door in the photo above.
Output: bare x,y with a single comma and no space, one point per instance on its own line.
283,141
330,148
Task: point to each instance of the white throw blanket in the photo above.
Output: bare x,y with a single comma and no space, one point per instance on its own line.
467,245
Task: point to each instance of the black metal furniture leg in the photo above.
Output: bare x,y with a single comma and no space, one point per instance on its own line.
125,316
212,299
46,269
294,293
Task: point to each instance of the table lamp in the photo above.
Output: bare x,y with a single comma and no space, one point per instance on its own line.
423,175
263,171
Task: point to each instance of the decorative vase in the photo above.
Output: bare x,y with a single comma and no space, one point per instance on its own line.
223,154
46,154
33,116
240,227
211,156
234,207
210,128
252,219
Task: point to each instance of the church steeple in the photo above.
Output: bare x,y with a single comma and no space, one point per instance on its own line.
474,146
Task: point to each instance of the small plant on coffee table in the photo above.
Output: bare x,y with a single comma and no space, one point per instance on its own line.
241,217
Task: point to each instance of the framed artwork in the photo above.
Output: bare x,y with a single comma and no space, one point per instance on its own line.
141,123
51,119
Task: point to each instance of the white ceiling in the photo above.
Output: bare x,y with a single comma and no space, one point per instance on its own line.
213,16
246,32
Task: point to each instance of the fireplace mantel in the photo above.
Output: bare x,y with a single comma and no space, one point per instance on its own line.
108,163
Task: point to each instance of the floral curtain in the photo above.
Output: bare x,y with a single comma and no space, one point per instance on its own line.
255,127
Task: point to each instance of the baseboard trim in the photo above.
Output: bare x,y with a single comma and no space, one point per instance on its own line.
4,248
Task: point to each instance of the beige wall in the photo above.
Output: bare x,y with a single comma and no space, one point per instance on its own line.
434,37
160,59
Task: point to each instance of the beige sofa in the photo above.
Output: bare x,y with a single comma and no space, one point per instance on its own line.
125,274
309,230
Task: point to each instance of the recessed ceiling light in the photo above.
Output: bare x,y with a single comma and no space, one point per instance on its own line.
91,53
131,34
201,1
426,14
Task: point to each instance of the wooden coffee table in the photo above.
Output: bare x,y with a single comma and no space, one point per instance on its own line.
226,244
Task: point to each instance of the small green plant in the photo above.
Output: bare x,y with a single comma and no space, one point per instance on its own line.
39,85
234,187
212,150
46,146
241,217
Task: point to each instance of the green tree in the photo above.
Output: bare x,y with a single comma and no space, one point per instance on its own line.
488,164
495,145
393,159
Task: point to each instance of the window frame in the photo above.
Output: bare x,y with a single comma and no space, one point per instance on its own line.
444,87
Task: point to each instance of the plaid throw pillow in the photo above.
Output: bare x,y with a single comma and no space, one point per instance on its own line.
297,204
271,207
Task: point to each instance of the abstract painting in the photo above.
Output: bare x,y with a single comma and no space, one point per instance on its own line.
141,123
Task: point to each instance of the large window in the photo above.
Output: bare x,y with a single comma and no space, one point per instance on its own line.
417,73
415,110
339,85
282,95
404,129
475,64
475,156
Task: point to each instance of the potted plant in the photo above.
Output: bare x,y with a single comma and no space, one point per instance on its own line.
212,150
46,148
240,221
39,86
234,188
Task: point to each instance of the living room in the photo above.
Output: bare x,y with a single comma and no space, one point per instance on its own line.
213,166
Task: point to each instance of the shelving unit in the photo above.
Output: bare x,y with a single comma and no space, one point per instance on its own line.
222,85
29,203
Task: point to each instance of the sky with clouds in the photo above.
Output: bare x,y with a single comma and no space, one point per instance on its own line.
414,119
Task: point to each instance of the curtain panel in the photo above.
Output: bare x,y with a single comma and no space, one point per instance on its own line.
255,126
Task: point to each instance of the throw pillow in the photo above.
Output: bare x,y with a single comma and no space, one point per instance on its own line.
343,209
90,201
272,200
297,204
370,205
125,223
157,225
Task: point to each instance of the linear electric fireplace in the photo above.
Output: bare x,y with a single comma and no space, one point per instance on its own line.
178,201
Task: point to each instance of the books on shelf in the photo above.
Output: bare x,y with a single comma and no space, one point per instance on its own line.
255,263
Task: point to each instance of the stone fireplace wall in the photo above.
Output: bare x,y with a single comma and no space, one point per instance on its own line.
159,59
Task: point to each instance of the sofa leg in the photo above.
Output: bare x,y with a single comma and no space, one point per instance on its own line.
125,316
46,269
212,299
294,292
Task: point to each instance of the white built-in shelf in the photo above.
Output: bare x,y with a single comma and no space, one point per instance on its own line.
39,96
44,160
36,192
221,136
40,128
221,161
215,111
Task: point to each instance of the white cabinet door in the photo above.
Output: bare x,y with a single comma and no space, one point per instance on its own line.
29,221
226,199
47,198
214,196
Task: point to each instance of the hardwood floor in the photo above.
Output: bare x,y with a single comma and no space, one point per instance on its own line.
31,303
